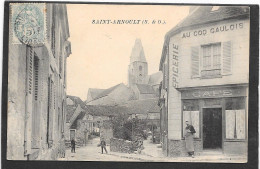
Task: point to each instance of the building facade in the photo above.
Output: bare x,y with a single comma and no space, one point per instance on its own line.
205,62
37,91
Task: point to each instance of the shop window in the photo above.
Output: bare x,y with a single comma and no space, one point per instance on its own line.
191,113
235,118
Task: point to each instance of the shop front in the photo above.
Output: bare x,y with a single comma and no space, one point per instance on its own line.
219,116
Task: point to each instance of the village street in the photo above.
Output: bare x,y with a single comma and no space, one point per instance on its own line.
151,153
93,153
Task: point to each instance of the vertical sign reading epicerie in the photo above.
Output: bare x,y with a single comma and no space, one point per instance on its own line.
175,62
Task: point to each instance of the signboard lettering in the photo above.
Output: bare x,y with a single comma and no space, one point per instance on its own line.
175,58
213,30
213,93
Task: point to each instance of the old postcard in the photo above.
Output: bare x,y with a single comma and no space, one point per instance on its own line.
128,82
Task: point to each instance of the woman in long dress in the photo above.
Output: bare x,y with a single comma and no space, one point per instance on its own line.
189,131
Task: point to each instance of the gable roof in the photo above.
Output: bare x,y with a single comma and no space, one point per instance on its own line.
155,78
95,92
203,15
107,91
100,110
70,111
145,89
142,106
76,100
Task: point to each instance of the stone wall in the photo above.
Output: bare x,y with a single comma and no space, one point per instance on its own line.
120,145
177,148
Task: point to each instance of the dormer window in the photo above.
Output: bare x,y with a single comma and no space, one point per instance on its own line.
215,8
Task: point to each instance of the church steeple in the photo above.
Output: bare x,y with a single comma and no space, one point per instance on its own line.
138,67
137,52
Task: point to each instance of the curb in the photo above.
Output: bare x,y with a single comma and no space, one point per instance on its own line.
132,158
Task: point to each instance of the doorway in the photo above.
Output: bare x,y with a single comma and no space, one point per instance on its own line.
212,128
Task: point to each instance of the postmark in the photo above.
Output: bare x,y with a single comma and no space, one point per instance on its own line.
28,23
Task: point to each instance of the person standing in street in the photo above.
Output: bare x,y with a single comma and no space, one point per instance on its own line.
73,145
103,145
189,132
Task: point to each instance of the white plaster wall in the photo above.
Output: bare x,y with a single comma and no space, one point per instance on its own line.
240,55
240,66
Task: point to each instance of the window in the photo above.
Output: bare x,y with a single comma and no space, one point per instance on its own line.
211,65
215,8
191,113
235,118
140,68
211,60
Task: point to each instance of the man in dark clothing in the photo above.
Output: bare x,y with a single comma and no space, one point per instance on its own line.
103,145
73,145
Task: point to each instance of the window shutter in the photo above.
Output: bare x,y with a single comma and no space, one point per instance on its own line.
226,52
36,78
29,100
195,61
36,105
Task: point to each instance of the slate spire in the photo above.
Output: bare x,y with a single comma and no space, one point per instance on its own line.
137,52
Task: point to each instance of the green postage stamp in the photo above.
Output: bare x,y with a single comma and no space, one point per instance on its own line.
28,23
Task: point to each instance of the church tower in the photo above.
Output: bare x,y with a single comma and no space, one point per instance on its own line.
138,67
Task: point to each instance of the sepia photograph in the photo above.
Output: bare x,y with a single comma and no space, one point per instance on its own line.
127,82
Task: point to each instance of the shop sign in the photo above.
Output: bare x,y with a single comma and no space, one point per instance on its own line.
214,30
175,62
213,93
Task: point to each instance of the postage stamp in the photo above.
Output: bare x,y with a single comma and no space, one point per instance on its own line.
28,23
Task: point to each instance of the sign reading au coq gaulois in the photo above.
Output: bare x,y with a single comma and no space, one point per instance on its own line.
213,93
214,30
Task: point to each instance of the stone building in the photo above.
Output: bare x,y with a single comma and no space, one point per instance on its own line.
37,91
140,84
205,62
79,124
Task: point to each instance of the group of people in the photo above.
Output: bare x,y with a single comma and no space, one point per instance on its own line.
189,134
102,145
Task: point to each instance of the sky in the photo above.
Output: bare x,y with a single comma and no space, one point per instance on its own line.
101,52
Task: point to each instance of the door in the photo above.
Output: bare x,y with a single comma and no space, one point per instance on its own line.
212,128
72,134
